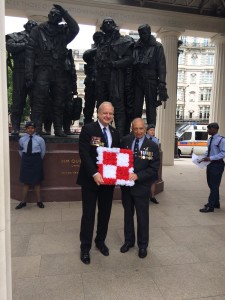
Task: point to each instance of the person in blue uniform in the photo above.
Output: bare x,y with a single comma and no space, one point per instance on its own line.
215,155
150,134
32,151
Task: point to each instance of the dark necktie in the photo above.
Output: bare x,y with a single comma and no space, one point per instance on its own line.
105,137
29,146
209,147
136,147
150,138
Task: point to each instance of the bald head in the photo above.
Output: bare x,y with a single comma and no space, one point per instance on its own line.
103,104
138,128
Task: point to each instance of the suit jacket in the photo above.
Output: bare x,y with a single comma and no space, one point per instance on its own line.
88,153
146,170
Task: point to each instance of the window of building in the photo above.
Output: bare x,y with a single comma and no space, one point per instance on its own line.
180,94
179,111
181,59
81,83
206,42
205,94
81,67
210,59
180,76
207,59
206,77
204,112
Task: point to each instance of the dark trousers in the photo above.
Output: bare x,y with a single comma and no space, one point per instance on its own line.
214,174
145,89
20,92
89,105
103,195
141,205
49,83
110,87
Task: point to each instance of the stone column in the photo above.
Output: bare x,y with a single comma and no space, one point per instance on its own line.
166,118
218,89
5,239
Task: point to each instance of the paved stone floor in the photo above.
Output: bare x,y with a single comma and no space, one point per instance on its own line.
186,258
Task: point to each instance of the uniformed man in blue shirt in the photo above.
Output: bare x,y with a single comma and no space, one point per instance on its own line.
215,155
150,134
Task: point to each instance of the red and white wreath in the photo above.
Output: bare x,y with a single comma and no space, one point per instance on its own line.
115,165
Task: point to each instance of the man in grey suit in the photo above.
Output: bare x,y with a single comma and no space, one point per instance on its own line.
146,165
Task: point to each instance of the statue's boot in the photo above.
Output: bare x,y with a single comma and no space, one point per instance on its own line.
58,122
66,127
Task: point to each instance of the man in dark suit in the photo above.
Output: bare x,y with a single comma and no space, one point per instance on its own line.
146,165
95,134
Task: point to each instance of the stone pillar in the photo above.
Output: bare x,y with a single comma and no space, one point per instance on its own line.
166,118
218,89
5,238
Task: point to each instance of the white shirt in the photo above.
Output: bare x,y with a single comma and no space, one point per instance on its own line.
109,136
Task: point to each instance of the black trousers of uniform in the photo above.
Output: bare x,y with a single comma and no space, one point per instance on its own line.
103,196
141,205
214,174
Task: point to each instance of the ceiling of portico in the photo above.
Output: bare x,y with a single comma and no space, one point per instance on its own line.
190,17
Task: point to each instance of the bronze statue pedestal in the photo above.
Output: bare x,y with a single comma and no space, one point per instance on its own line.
61,166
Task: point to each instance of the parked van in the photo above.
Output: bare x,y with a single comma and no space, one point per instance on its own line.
193,139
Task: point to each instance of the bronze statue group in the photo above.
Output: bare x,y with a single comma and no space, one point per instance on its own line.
117,69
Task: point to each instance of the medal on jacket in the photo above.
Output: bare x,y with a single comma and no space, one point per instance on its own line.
96,141
146,154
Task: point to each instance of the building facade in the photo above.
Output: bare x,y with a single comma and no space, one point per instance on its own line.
194,80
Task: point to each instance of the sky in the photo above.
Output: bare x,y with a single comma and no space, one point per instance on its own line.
82,41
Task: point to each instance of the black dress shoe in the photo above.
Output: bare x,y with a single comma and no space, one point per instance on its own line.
206,209
21,205
154,200
216,205
103,249
142,253
40,204
126,247
85,257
